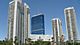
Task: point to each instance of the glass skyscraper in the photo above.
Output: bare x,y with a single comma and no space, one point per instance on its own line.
37,24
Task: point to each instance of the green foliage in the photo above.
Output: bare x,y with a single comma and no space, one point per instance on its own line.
10,42
40,43
72,43
6,42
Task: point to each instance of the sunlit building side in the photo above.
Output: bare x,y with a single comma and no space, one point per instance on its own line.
18,21
70,18
57,30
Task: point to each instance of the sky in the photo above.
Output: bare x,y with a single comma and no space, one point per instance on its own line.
50,8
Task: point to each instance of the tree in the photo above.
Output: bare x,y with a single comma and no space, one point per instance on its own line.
29,41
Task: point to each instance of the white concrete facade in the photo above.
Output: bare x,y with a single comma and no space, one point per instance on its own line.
26,21
42,37
57,30
18,21
70,19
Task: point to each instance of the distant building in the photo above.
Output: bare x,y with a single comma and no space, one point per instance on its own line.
18,21
57,31
70,18
37,24
41,37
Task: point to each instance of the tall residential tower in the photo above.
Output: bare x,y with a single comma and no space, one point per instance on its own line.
70,18
18,21
57,30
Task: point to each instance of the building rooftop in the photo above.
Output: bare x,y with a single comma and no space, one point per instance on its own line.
56,19
27,6
37,14
11,2
68,8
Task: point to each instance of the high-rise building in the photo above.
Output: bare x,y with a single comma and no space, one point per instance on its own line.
18,21
70,18
57,30
37,24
